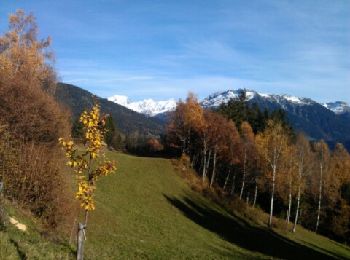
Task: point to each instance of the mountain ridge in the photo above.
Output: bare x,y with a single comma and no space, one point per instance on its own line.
127,121
329,121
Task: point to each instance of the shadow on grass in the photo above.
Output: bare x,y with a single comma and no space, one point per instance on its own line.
241,233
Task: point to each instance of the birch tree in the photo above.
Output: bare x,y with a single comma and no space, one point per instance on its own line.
248,153
323,156
304,158
271,144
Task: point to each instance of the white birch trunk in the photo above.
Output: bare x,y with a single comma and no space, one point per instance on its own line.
204,173
214,168
273,184
244,173
297,210
319,198
255,195
289,202
227,178
301,167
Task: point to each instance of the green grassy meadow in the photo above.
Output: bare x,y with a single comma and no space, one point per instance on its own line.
147,211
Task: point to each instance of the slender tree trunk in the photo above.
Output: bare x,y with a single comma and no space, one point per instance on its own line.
81,237
183,145
247,199
297,210
255,194
204,173
272,193
214,169
233,184
244,173
289,203
208,161
194,160
319,198
301,167
227,178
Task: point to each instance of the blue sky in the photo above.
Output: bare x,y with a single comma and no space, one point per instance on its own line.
163,49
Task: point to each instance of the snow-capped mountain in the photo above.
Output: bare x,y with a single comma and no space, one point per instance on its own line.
148,107
218,98
338,107
152,108
330,121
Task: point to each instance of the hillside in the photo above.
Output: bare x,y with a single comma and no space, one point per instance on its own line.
146,210
77,100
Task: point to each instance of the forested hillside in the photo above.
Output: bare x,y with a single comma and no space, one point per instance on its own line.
127,121
257,157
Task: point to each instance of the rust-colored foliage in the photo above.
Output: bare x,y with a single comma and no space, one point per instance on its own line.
32,121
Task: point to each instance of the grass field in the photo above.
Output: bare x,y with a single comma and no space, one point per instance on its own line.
147,211
15,244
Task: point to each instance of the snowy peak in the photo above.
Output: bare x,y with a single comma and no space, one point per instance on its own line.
216,99
119,99
148,107
219,98
338,107
152,108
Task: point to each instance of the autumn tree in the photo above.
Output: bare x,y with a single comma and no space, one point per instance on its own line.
27,79
186,119
222,134
323,157
286,183
304,158
271,145
248,153
88,165
338,179
33,120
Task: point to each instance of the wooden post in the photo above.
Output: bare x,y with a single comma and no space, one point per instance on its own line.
80,241
81,237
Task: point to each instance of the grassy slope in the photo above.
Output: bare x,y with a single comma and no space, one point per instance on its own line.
15,244
146,211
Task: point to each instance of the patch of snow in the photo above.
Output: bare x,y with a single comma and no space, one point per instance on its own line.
119,99
148,107
293,99
264,95
338,107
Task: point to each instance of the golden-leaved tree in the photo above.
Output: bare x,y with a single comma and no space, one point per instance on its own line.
88,164
272,145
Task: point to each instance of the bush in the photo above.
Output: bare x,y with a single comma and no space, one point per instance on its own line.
31,123
32,176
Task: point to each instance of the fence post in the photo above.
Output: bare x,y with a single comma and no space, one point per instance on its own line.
80,241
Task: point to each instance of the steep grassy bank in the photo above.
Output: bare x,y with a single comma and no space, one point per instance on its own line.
31,244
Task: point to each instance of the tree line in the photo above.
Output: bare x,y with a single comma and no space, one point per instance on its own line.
256,156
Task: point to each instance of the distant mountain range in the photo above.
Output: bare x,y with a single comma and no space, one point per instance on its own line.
148,107
127,121
329,121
